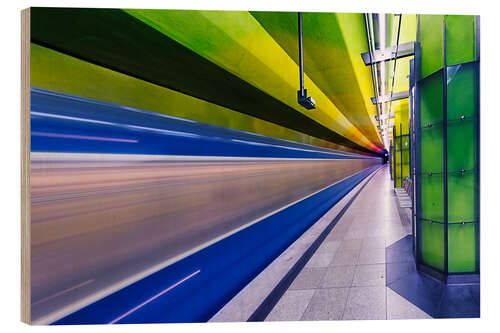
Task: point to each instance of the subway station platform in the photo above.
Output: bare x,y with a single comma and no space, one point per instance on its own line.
363,268
182,174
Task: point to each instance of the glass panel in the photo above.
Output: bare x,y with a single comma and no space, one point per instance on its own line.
406,156
461,145
431,43
461,248
398,166
461,197
461,91
431,99
433,244
402,159
432,149
432,197
462,140
432,187
460,39
461,103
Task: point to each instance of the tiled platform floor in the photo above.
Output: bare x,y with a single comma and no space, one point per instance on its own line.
346,277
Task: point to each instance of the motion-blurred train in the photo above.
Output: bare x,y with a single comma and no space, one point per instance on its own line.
142,217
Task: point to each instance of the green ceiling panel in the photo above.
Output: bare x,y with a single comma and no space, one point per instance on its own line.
236,42
332,47
114,39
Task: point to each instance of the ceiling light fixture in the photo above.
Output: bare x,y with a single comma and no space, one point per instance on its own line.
307,102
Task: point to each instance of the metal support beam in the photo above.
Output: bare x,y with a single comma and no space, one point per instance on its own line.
387,98
302,98
445,152
385,116
373,69
301,56
403,50
383,127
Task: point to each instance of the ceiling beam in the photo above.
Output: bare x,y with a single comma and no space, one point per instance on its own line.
404,50
387,98
385,116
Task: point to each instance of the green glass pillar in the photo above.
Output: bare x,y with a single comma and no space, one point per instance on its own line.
447,144
391,159
402,141
394,156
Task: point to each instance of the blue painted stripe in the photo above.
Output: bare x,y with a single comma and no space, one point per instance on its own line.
64,123
224,268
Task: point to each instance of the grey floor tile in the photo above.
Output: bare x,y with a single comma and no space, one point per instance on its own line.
355,234
369,275
329,246
320,259
345,257
351,244
378,223
371,256
358,226
291,306
392,228
393,215
392,238
338,276
348,219
353,254
342,228
350,214
335,236
364,218
308,278
399,308
307,239
373,217
327,304
395,221
373,243
342,224
372,232
378,232
366,303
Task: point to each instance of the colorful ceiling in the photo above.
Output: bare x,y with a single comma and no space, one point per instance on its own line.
229,62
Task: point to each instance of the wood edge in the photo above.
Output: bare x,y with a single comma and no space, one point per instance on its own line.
25,168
